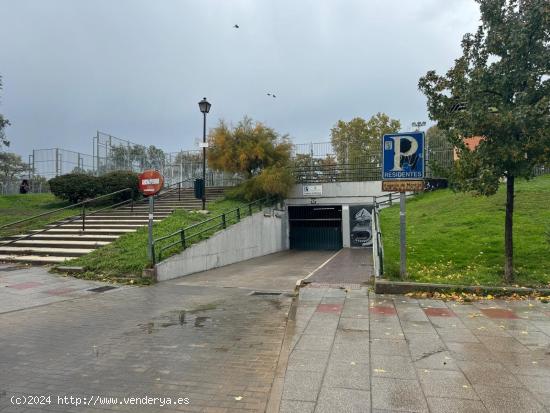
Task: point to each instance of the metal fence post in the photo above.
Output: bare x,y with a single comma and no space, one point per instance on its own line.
238,214
83,217
56,161
183,239
391,202
250,209
224,224
179,191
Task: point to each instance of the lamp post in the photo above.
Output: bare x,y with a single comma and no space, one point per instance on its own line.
418,125
204,106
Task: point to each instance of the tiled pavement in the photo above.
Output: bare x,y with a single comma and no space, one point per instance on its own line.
352,351
22,287
216,345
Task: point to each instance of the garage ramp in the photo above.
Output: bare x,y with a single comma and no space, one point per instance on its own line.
347,266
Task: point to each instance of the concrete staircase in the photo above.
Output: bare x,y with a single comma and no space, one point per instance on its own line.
68,241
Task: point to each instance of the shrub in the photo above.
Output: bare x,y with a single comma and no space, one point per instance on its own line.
115,181
74,187
77,187
274,182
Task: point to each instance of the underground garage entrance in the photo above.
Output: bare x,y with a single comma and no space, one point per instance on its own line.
315,227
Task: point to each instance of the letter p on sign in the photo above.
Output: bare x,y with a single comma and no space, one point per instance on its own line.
403,156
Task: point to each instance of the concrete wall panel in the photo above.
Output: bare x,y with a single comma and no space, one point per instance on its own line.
254,236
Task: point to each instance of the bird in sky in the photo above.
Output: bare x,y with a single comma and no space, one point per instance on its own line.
272,95
236,26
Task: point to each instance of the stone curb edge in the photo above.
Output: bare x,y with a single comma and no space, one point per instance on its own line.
382,286
69,270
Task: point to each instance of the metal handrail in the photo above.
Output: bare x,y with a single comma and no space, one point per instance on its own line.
63,208
223,224
58,223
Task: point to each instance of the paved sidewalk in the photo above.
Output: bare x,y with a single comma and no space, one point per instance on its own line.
25,287
353,351
216,345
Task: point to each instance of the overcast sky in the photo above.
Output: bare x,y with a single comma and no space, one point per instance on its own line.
137,68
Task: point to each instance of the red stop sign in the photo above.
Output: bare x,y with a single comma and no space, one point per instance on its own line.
150,182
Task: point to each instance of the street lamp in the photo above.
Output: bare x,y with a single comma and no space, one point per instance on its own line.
204,106
418,125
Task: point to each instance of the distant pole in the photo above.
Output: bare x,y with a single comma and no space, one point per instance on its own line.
150,237
403,238
204,107
204,161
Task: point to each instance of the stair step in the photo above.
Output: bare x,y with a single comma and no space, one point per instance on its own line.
64,252
31,242
67,237
96,222
34,259
99,226
109,231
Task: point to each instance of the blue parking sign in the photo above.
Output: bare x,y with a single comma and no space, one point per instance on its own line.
403,156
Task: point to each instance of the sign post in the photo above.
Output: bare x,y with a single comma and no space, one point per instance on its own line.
150,183
403,169
403,236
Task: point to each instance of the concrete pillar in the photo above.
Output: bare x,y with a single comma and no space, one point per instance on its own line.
345,227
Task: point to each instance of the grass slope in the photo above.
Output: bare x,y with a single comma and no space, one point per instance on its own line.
16,207
457,238
127,256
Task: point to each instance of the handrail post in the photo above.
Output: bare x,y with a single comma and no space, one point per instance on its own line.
224,224
238,214
153,253
132,201
183,239
83,217
179,191
391,203
250,209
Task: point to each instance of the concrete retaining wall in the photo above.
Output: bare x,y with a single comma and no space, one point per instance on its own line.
257,235
336,193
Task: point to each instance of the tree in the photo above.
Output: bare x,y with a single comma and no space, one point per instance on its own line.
255,151
3,123
247,148
308,168
155,157
358,140
12,166
498,89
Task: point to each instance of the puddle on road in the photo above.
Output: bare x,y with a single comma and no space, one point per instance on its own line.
179,318
199,321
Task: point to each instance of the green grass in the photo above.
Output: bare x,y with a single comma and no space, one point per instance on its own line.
16,207
458,238
127,256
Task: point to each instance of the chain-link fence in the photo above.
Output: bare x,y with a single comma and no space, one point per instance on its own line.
13,186
49,163
113,154
312,162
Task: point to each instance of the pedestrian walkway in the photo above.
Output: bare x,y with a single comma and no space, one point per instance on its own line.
353,351
24,287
